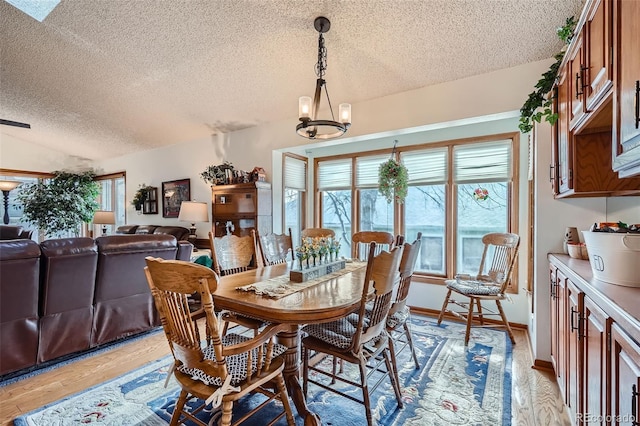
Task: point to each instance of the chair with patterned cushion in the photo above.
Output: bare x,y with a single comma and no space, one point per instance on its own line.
359,338
317,233
231,255
362,239
398,324
275,248
226,368
494,276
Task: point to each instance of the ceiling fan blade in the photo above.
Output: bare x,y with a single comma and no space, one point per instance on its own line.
15,124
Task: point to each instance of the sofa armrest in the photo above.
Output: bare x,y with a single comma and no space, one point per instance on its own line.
185,249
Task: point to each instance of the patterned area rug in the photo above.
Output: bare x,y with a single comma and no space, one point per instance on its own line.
454,386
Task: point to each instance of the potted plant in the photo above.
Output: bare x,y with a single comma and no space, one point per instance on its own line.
140,196
393,181
538,103
217,175
61,204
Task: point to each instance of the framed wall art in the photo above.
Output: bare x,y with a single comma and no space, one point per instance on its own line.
174,192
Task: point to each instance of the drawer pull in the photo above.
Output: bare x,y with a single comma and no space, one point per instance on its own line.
634,406
637,98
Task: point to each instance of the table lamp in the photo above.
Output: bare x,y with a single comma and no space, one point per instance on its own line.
193,211
6,186
104,218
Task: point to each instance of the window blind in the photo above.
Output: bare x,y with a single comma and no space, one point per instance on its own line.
367,170
295,173
334,174
487,162
427,166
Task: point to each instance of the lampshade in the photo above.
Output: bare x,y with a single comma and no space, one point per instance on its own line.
193,211
310,125
101,217
8,185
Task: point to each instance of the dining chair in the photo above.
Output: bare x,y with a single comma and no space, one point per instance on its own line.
359,338
361,240
228,367
398,320
317,232
489,284
275,248
231,255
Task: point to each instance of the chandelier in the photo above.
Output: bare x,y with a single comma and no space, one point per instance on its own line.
310,126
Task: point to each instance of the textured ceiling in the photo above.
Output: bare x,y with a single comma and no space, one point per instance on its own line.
102,78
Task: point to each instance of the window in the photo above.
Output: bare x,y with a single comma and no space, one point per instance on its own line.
334,184
112,198
295,187
15,208
458,191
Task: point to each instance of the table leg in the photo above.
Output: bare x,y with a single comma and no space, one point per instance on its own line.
291,339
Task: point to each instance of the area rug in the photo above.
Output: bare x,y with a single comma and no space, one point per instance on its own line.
454,386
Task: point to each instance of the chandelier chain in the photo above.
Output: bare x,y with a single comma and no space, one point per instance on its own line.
321,65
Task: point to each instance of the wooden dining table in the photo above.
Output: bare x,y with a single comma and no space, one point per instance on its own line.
325,301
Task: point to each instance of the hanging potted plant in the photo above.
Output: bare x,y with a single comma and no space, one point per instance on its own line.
62,204
393,180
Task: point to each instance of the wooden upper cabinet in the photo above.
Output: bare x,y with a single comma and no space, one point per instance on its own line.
626,111
563,152
598,57
576,77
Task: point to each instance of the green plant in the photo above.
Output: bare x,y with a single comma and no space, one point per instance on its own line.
62,204
216,175
140,196
393,179
538,104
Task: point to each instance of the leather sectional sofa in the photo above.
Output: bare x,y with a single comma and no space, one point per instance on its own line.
73,294
179,232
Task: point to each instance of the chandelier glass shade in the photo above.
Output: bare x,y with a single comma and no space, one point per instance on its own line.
310,125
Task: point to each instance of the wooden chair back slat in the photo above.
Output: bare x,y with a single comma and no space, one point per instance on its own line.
503,249
317,232
407,266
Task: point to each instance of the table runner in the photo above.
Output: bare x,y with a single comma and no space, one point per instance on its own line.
282,286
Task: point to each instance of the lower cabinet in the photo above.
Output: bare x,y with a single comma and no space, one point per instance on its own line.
596,362
625,378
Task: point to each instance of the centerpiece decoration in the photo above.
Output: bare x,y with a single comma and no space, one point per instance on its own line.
316,257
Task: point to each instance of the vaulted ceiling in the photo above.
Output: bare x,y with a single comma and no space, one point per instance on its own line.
99,78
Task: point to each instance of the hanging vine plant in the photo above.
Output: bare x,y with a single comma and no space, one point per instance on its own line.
393,179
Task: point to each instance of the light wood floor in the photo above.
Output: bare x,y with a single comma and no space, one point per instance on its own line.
536,399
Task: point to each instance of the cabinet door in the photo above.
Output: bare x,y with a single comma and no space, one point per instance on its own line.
598,54
626,150
554,317
563,154
563,342
596,362
576,71
625,378
574,350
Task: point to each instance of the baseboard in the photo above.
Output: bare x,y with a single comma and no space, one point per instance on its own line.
433,313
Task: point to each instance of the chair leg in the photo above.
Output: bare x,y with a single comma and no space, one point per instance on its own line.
225,326
394,361
177,411
444,307
506,323
480,317
407,332
365,390
284,397
227,413
393,374
467,332
305,370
